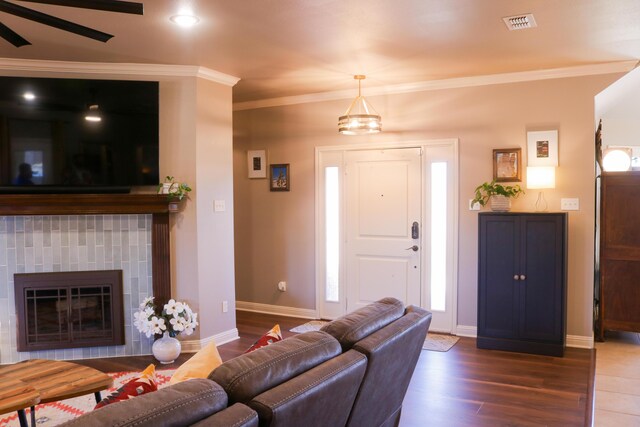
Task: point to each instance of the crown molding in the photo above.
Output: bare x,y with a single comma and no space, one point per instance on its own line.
39,67
460,82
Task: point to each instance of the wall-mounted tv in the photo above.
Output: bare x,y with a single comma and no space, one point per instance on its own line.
73,135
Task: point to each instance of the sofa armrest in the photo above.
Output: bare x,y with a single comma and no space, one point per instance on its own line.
392,354
322,396
238,415
182,404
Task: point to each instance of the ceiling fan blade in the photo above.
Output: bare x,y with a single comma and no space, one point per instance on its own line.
12,37
52,21
107,5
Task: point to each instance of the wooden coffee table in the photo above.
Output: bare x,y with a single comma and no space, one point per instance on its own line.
16,395
43,381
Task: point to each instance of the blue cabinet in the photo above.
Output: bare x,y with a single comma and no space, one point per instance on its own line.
522,282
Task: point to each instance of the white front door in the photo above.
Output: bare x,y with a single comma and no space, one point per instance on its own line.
367,199
383,201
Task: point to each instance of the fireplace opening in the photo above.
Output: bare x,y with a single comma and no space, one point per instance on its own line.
69,309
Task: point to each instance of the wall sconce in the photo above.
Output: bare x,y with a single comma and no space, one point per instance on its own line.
540,178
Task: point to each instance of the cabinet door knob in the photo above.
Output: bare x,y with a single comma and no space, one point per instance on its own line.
522,277
516,277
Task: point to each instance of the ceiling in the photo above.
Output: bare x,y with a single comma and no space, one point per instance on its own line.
294,47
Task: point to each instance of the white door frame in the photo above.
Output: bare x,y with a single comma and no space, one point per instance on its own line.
319,220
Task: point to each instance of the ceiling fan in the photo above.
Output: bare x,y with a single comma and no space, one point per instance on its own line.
33,15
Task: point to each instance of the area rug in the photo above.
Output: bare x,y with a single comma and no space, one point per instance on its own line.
55,413
314,325
439,342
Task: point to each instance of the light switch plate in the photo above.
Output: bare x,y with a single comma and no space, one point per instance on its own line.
218,206
474,206
570,204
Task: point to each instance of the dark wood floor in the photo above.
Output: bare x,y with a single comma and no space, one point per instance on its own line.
462,387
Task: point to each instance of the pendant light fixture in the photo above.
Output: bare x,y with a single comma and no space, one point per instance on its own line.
361,117
93,114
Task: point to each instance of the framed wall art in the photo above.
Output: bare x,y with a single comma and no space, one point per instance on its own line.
279,179
257,163
507,165
542,148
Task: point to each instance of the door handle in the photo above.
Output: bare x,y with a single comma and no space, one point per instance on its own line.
413,248
522,277
516,277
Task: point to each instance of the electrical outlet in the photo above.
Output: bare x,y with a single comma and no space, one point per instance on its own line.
225,306
282,286
570,204
474,206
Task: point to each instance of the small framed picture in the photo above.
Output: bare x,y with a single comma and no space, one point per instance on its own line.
507,165
279,179
257,163
542,148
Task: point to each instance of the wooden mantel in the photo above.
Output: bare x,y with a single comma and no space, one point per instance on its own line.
83,204
157,205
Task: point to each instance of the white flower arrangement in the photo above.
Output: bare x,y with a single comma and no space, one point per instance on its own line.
176,318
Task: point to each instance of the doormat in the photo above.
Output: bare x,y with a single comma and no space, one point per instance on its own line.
55,413
439,342
314,325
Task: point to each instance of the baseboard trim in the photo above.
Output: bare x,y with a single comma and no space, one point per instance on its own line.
466,331
574,341
191,346
579,341
279,310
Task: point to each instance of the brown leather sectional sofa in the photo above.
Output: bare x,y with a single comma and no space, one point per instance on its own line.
354,372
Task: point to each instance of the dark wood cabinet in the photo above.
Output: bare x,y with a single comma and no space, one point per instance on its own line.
522,282
619,293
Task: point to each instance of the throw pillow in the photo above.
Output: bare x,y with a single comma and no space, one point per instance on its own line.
199,365
145,383
270,337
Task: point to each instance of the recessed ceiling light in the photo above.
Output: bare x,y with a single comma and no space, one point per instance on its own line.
185,20
29,96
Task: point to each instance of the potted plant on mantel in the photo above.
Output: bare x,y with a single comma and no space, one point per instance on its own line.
175,191
498,195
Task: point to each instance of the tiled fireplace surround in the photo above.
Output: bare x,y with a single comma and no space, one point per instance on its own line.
45,243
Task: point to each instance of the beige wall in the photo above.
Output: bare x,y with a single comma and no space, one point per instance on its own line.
275,231
196,148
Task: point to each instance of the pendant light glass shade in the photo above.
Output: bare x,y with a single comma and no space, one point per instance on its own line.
360,118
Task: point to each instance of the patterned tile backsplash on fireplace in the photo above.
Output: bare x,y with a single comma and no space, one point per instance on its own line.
31,244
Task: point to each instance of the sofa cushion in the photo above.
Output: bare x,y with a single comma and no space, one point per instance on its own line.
199,365
182,404
322,396
142,384
250,374
273,335
353,327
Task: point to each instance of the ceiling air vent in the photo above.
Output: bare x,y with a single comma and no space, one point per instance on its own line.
520,22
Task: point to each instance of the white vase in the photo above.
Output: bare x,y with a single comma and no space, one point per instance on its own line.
166,349
500,203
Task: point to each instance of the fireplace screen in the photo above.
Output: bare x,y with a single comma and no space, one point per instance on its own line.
70,309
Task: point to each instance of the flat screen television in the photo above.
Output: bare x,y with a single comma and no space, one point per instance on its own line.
78,136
